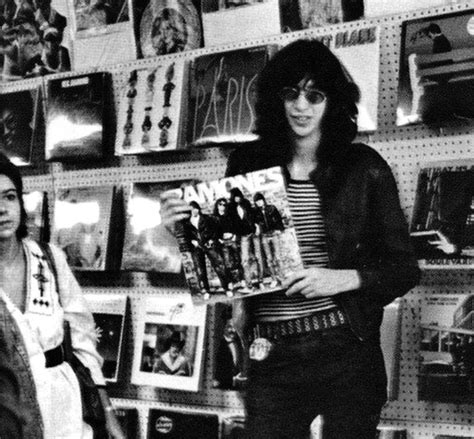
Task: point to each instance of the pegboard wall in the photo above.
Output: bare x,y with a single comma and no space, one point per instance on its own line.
405,148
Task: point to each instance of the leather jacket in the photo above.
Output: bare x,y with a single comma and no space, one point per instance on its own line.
365,226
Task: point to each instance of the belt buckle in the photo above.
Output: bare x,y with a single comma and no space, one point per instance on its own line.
260,349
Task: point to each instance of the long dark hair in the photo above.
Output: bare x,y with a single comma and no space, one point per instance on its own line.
312,59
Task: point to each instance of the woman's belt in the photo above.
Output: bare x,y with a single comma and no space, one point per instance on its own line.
54,357
302,325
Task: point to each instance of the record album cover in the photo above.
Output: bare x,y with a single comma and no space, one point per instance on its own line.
33,39
316,13
36,207
442,227
436,82
148,245
91,17
240,239
19,120
149,108
109,312
168,350
170,424
75,117
81,222
167,26
222,95
446,371
128,419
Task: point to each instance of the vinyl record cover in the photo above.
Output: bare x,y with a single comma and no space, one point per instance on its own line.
316,13
230,351
34,39
167,26
81,222
19,119
168,350
240,238
442,227
128,419
109,315
446,371
148,246
222,95
170,424
36,207
75,117
436,82
95,18
149,109
223,21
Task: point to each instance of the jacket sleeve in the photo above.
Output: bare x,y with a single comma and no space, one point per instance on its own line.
11,415
393,270
76,311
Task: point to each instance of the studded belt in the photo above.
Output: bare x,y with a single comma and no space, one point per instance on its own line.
302,325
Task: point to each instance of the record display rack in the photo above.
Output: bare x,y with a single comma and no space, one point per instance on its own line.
405,149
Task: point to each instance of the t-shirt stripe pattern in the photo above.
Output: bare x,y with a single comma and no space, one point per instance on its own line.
305,207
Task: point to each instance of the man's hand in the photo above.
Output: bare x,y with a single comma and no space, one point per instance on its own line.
321,282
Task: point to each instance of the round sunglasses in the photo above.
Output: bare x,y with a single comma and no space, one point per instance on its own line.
312,95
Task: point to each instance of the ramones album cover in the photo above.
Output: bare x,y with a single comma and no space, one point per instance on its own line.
240,238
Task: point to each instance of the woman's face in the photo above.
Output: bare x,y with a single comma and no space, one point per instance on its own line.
10,210
304,117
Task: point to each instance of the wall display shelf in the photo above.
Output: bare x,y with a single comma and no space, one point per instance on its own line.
405,148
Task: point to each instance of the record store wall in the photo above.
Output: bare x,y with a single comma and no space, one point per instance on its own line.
405,148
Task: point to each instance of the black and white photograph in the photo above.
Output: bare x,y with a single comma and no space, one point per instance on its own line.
442,227
168,348
109,312
19,123
240,238
447,349
32,39
436,82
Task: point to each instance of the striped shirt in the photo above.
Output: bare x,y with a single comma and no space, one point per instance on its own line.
305,207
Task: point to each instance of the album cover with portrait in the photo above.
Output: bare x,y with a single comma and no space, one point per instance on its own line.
148,245
446,371
436,81
316,13
20,116
149,108
167,26
109,312
221,95
168,349
33,39
81,225
230,350
240,239
75,117
442,227
36,207
172,424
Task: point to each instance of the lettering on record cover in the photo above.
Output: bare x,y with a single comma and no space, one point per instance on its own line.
170,424
442,227
446,371
240,239
20,116
149,112
75,117
222,95
109,312
148,245
168,349
81,222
